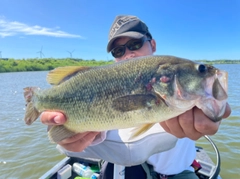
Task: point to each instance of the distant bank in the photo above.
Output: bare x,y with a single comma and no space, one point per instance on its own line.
46,64
219,61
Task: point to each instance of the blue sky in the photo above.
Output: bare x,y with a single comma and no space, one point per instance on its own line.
194,29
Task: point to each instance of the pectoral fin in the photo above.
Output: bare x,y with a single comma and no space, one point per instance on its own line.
58,133
140,130
133,102
61,74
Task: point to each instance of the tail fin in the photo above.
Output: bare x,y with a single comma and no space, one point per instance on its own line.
31,112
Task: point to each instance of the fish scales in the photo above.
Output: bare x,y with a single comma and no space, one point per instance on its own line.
89,91
97,99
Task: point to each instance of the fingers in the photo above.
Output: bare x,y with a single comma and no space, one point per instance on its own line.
78,142
187,123
182,126
165,127
206,126
203,124
193,124
172,126
52,118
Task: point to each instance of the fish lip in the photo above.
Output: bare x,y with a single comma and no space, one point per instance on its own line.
214,107
216,119
216,115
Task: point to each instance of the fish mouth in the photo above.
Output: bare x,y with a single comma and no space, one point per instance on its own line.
214,103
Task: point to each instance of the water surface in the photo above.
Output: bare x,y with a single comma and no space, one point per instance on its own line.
25,151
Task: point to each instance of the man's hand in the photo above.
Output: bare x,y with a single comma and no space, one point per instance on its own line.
76,143
193,124
53,118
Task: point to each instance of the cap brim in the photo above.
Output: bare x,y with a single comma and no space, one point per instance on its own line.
131,34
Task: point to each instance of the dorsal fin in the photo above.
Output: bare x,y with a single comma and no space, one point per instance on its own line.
61,74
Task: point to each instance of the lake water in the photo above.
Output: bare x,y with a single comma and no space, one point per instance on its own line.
25,151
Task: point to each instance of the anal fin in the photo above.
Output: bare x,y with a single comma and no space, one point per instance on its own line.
58,133
140,130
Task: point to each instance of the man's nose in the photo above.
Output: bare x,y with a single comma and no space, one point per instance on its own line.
129,54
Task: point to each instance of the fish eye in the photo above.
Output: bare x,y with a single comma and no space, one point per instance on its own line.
202,68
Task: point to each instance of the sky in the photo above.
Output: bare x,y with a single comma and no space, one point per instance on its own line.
193,29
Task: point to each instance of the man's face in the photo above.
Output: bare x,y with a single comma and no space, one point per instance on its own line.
146,49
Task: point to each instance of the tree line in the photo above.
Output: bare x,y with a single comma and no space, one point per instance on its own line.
223,61
46,64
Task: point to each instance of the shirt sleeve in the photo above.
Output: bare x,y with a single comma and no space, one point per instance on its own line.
115,147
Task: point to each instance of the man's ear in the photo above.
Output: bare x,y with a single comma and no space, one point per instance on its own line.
153,45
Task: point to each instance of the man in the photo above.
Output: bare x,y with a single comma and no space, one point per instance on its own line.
129,37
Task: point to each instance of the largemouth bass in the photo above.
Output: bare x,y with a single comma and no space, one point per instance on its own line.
137,92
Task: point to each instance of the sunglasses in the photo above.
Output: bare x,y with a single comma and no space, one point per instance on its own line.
133,44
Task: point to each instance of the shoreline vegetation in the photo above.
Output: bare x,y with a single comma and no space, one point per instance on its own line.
46,64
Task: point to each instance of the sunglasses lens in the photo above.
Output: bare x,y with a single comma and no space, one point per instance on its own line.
118,51
135,44
132,45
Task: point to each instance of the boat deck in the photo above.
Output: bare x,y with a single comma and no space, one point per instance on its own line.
207,165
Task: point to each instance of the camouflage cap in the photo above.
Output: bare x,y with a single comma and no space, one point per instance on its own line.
126,26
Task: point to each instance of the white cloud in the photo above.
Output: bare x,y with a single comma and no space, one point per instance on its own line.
13,28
